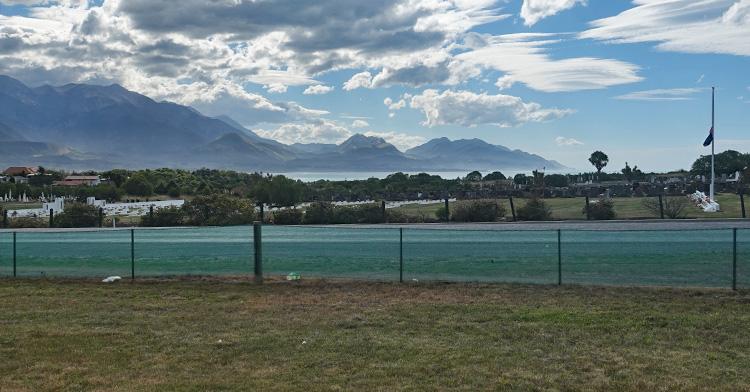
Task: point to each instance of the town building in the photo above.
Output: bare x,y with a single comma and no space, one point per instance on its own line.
79,180
21,171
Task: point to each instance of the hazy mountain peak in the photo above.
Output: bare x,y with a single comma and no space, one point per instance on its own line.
96,126
359,140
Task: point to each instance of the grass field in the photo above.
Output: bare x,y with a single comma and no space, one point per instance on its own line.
19,206
210,335
572,208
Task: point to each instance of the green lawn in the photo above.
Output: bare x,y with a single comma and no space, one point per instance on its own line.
209,335
19,206
572,208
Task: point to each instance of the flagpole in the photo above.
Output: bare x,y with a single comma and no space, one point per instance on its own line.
713,140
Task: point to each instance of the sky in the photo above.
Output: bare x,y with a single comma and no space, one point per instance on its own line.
559,78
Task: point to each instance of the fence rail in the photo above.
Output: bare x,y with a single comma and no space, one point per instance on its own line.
716,257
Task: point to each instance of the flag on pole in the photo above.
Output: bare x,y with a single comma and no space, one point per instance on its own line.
710,138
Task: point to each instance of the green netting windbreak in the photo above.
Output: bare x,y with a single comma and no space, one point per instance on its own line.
331,252
743,258
481,256
225,251
699,258
73,253
6,254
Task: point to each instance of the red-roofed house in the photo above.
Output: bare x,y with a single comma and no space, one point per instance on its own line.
79,180
20,171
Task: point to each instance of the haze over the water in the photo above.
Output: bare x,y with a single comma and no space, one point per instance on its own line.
557,78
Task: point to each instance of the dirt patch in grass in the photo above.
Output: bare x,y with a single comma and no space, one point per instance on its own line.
336,335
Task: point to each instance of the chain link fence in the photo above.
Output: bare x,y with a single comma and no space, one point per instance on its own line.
676,258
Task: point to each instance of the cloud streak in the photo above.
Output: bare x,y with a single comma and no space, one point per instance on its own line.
674,94
524,59
688,26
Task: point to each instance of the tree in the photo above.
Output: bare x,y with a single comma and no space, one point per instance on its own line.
117,176
599,160
520,179
494,176
631,174
727,162
474,176
138,185
556,180
77,215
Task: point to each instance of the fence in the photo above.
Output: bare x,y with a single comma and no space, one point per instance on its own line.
695,258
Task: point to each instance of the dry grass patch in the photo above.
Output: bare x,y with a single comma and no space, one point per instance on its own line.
317,335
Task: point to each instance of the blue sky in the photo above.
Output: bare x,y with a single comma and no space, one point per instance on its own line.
559,78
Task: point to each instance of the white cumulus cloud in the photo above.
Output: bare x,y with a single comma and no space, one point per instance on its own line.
567,141
532,11
400,104
317,131
402,141
360,124
362,79
469,109
318,89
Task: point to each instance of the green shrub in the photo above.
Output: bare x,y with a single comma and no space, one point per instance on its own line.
396,216
218,210
344,215
287,217
674,207
369,213
442,214
27,223
77,215
318,213
477,211
534,210
602,209
164,217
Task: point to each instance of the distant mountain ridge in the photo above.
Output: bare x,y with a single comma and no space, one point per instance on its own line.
80,126
478,153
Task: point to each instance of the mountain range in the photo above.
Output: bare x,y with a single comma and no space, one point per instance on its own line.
81,126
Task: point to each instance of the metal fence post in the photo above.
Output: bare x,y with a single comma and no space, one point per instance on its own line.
734,259
447,211
661,206
258,270
559,257
512,208
383,212
401,255
5,218
101,217
132,254
742,203
588,213
51,217
14,254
